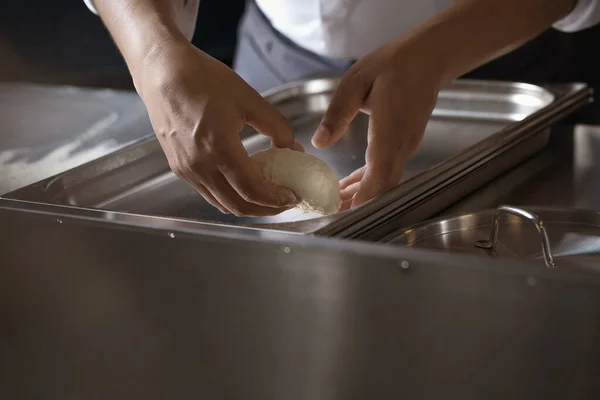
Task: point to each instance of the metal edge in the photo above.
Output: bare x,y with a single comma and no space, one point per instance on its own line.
390,255
138,220
150,224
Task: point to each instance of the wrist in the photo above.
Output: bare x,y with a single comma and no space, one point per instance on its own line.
142,30
417,55
149,42
440,56
158,63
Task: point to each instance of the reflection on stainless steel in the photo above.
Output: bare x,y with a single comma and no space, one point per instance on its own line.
587,165
47,129
573,244
491,243
567,236
96,310
565,174
460,136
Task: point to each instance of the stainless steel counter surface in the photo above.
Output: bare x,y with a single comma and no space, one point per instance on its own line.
45,130
565,174
95,310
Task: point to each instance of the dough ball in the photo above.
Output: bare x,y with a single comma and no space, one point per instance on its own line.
309,177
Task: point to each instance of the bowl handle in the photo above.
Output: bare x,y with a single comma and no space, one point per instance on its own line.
533,218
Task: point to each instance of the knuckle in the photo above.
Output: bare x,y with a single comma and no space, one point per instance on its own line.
194,165
207,144
214,150
353,79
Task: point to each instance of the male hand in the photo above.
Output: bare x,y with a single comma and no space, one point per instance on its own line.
197,107
397,85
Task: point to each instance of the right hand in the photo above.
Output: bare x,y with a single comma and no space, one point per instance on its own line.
198,106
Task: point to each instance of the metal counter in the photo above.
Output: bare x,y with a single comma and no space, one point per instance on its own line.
565,174
46,130
107,305
103,311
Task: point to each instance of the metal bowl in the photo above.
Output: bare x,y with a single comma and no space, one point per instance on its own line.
553,236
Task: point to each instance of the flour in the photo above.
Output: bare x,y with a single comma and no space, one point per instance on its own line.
17,171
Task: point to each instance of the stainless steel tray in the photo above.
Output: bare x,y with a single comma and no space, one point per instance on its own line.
471,118
556,237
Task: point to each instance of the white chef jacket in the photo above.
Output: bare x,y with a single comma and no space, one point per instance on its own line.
349,29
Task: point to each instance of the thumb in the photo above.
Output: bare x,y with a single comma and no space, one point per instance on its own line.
345,103
262,116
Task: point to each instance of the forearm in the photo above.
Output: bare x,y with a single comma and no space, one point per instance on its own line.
472,32
141,28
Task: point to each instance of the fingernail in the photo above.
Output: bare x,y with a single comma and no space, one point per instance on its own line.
298,146
321,136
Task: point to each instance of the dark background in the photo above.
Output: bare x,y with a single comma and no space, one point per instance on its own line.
60,41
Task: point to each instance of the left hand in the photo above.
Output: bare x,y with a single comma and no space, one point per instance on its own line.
397,85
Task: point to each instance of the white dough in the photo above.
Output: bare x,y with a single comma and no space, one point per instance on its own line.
309,177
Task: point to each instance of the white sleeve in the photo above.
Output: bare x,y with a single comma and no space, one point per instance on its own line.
90,5
585,14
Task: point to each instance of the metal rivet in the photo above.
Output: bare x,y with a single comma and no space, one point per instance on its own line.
287,250
531,281
171,235
404,264
60,221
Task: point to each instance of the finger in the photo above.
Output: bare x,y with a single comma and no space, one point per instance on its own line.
208,196
346,205
354,177
221,189
191,180
350,191
396,127
246,178
345,103
297,146
262,116
377,181
384,157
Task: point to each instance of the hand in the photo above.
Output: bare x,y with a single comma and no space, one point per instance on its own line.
397,85
197,107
